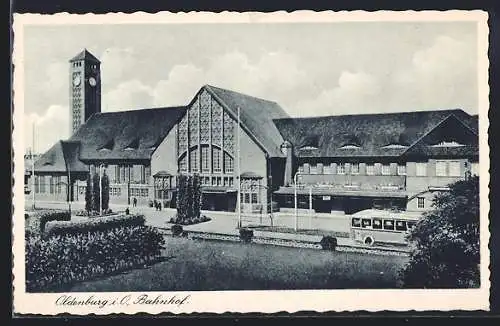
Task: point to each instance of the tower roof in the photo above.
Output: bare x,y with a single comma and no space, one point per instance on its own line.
85,55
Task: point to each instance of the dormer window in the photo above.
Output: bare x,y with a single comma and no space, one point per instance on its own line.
133,145
350,146
308,148
394,146
108,146
448,144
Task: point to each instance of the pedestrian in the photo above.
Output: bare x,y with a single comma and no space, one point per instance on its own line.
135,202
159,205
155,203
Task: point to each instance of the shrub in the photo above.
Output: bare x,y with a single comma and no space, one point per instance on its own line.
62,260
176,229
328,243
92,225
189,221
246,235
36,223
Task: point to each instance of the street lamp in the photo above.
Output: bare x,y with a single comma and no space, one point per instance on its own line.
295,201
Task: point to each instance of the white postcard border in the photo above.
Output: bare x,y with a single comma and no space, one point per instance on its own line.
252,301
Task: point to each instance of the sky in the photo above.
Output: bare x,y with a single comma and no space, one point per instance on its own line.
310,69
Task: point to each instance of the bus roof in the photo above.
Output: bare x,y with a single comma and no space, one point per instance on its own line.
386,213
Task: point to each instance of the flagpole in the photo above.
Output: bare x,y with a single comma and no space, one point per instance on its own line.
239,173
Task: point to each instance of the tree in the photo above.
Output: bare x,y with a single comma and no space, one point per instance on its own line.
196,196
446,241
182,200
88,194
95,193
105,191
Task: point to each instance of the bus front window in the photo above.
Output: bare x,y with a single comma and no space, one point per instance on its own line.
356,222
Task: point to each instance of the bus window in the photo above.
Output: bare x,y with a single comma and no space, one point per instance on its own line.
411,225
388,225
356,222
366,222
377,223
400,225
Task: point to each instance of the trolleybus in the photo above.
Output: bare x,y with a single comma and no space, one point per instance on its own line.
383,226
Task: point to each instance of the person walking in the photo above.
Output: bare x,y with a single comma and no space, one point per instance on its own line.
135,202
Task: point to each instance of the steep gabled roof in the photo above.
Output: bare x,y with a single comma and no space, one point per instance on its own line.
133,134
85,55
256,115
371,132
60,157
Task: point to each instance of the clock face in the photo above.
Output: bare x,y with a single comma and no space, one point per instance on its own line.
76,80
92,81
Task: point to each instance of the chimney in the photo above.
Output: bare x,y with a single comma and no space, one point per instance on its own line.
287,149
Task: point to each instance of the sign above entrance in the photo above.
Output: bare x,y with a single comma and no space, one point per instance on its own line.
327,198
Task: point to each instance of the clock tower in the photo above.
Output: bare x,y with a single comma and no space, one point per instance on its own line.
85,88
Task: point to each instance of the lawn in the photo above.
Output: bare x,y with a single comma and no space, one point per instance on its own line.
192,265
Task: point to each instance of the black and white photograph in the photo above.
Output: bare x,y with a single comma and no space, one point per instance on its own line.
212,162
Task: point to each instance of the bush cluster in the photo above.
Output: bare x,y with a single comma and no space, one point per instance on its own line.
57,228
328,243
63,259
246,235
36,222
189,221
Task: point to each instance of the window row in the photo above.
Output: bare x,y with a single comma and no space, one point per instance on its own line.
139,192
49,184
351,168
123,173
386,224
215,161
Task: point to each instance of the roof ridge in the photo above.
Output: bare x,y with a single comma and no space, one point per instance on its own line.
449,111
143,109
240,93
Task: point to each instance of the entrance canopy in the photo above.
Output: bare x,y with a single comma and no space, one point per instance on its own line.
341,192
217,190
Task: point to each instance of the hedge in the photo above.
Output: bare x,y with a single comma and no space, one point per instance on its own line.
57,228
36,222
62,260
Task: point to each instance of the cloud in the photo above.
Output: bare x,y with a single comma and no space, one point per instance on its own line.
354,92
49,127
132,94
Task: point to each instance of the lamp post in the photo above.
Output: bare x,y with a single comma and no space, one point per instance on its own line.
100,188
295,201
33,165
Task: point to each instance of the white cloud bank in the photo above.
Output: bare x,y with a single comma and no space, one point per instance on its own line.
440,76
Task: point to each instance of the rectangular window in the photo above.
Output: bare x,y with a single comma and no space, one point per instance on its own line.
341,168
440,168
320,168
247,198
370,169
216,160
474,168
401,169
147,174
254,198
228,163
400,225
354,168
386,169
377,223
410,225
193,161
314,169
183,164
421,202
205,162
388,225
37,183
307,168
356,222
366,222
327,169
454,169
144,192
421,169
